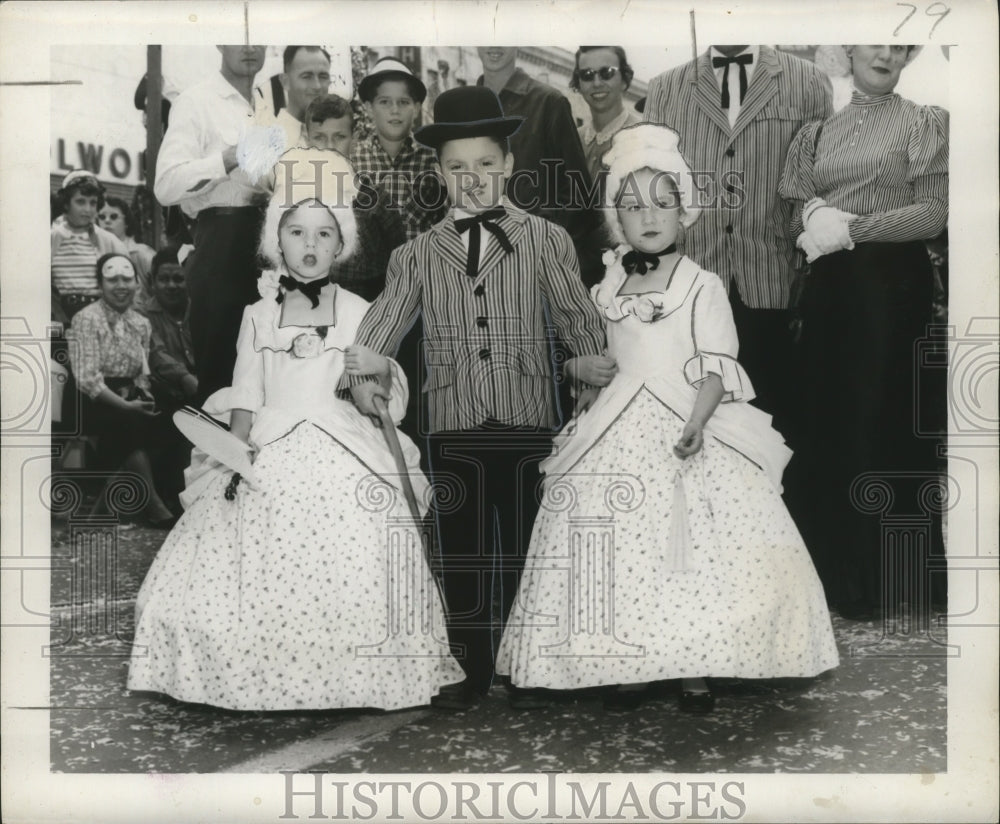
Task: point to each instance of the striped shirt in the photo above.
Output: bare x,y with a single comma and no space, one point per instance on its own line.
487,340
75,253
883,158
742,234
108,344
396,179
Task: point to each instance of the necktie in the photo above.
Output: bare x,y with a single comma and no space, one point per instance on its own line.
743,60
642,262
473,223
309,288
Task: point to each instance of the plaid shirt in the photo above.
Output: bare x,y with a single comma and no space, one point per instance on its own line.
396,177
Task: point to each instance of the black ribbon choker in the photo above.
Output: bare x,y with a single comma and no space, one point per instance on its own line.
642,262
309,288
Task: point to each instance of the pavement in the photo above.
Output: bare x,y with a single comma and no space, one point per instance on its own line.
883,710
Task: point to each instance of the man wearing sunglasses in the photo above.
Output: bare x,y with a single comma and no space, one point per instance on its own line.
737,109
601,76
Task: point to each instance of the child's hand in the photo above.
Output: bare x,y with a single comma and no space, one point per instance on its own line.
690,442
360,360
585,399
597,370
364,396
142,407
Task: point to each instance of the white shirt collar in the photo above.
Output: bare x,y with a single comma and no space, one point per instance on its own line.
604,135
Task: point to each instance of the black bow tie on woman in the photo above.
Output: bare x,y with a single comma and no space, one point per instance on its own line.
309,288
641,262
743,60
463,224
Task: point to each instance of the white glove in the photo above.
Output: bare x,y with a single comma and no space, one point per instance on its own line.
828,229
806,244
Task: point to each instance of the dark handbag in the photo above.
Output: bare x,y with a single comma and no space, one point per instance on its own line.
800,279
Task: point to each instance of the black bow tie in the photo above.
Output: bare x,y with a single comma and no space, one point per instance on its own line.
309,288
724,63
642,262
464,224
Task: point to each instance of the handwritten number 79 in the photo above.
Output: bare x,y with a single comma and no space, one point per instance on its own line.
938,10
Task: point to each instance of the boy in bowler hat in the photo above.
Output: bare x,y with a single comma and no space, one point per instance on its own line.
487,280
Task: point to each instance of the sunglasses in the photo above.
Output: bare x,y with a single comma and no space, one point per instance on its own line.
605,73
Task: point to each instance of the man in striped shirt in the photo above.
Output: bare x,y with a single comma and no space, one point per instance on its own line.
488,280
737,109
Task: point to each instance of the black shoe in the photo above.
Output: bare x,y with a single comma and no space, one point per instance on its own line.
617,699
700,702
456,698
520,698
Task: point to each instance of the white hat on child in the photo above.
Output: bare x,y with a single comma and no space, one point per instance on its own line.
648,146
322,175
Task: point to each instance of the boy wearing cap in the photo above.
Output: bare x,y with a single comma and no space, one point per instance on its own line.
487,279
389,158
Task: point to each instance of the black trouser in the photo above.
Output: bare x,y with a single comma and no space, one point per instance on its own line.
487,494
222,281
766,354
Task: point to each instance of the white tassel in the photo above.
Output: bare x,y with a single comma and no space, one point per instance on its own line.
680,534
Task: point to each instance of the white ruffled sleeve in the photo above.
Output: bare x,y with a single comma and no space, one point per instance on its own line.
247,391
399,395
715,343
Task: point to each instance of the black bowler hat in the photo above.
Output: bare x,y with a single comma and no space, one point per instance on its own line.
466,111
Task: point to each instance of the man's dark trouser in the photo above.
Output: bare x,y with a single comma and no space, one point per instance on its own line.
766,354
486,482
222,281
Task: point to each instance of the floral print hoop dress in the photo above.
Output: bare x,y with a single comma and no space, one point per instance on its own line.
643,566
311,589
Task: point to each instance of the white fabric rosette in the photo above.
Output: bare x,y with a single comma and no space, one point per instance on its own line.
605,293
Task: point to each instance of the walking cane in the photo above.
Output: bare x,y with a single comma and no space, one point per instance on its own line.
389,432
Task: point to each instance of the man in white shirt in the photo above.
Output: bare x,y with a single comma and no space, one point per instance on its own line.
197,169
306,77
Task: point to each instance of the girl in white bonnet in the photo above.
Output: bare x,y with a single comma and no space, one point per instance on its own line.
306,589
662,549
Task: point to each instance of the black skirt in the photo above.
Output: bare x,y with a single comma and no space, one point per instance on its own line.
867,458
119,433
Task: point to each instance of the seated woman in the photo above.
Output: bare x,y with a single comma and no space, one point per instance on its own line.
109,353
116,217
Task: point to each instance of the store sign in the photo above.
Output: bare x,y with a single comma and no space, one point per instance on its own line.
107,163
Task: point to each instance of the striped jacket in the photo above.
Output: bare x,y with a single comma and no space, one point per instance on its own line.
487,339
742,234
